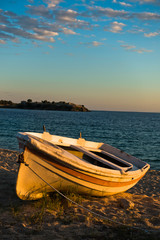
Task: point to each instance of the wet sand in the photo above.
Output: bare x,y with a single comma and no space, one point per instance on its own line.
55,218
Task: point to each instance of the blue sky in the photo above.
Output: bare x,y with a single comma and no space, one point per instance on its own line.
103,54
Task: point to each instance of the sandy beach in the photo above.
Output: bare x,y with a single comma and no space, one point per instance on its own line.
138,211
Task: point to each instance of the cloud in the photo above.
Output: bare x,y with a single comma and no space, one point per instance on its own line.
15,40
152,34
111,13
96,44
40,10
81,25
108,12
9,13
123,3
132,48
5,35
148,1
3,18
68,31
147,16
43,38
62,16
155,2
2,42
27,22
50,46
44,32
35,44
66,15
128,47
115,27
142,50
15,27
22,33
92,44
46,21
136,30
69,17
52,3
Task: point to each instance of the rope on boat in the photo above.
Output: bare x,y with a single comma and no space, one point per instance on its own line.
86,209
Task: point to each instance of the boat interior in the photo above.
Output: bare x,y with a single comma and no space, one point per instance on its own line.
99,158
92,155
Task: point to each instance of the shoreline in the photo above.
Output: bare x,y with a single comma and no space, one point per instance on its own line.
139,207
44,105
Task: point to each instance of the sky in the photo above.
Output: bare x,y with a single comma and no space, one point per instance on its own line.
104,54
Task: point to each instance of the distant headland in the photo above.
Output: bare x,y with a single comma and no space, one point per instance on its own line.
44,105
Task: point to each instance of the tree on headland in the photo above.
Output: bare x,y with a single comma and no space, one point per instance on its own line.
45,101
5,102
29,100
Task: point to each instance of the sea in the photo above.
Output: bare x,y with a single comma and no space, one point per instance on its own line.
136,133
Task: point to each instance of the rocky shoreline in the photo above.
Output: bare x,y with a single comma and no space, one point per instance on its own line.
44,105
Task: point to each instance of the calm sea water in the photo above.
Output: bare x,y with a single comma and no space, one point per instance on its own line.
135,133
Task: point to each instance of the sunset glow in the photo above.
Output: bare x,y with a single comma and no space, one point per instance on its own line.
102,54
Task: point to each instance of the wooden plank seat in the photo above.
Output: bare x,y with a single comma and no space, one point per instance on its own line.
103,160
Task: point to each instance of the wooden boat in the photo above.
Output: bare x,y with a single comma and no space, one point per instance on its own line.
68,164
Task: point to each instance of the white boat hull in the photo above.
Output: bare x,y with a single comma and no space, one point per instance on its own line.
45,165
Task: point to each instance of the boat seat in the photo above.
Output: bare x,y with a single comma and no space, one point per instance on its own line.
100,159
117,159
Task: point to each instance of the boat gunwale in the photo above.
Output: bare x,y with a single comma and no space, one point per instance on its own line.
94,170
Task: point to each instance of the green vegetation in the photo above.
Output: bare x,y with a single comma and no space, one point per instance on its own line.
44,105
